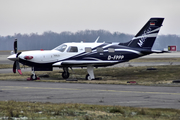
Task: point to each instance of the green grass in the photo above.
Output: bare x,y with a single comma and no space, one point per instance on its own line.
35,111
4,66
164,75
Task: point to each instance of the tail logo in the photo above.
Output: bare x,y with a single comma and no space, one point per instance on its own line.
143,37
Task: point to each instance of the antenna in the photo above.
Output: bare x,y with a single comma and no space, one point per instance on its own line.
97,39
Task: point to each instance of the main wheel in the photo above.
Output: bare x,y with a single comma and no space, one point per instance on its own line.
88,77
65,75
33,77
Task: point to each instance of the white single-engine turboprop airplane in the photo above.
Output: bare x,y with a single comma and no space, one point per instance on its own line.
89,55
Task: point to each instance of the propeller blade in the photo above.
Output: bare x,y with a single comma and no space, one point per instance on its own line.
19,71
18,68
15,46
16,63
14,67
18,54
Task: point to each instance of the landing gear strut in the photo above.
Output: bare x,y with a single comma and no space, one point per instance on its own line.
90,70
33,76
65,74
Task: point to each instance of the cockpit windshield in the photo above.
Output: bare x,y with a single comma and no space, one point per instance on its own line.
61,48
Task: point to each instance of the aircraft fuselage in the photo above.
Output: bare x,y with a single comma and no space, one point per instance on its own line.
97,54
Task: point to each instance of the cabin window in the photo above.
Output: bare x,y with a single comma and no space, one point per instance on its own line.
111,50
72,49
88,49
61,48
100,50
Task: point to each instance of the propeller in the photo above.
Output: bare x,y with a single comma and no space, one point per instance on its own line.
16,62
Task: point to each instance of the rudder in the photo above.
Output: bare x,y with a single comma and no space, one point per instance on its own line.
147,35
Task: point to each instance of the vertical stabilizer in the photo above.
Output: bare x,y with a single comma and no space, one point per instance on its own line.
147,35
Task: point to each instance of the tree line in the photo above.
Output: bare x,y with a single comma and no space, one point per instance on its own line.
49,40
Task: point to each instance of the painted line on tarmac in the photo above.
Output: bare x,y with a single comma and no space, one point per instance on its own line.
20,87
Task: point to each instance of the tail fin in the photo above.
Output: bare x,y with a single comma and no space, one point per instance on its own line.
146,36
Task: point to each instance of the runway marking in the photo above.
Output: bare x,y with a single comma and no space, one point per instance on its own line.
20,87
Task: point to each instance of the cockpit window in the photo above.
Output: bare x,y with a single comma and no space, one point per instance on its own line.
61,48
72,49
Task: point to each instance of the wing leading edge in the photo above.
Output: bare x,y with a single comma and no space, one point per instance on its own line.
81,63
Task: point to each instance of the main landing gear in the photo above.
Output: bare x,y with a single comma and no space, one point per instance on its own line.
65,74
90,70
89,76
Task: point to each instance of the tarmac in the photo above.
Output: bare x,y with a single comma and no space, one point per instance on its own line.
100,94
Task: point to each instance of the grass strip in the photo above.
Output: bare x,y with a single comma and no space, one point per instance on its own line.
120,75
162,75
70,111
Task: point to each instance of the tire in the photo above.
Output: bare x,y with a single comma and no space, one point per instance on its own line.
88,77
65,75
33,77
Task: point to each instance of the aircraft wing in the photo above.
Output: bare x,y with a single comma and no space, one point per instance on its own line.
81,63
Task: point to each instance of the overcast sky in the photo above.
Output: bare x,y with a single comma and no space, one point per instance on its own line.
126,16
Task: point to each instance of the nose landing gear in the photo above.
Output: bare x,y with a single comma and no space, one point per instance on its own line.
33,76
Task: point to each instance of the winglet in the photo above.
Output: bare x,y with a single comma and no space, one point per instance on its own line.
97,39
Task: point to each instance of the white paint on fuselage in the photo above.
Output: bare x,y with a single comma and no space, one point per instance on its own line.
40,56
48,56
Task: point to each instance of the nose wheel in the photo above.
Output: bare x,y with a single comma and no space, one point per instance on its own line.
33,76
